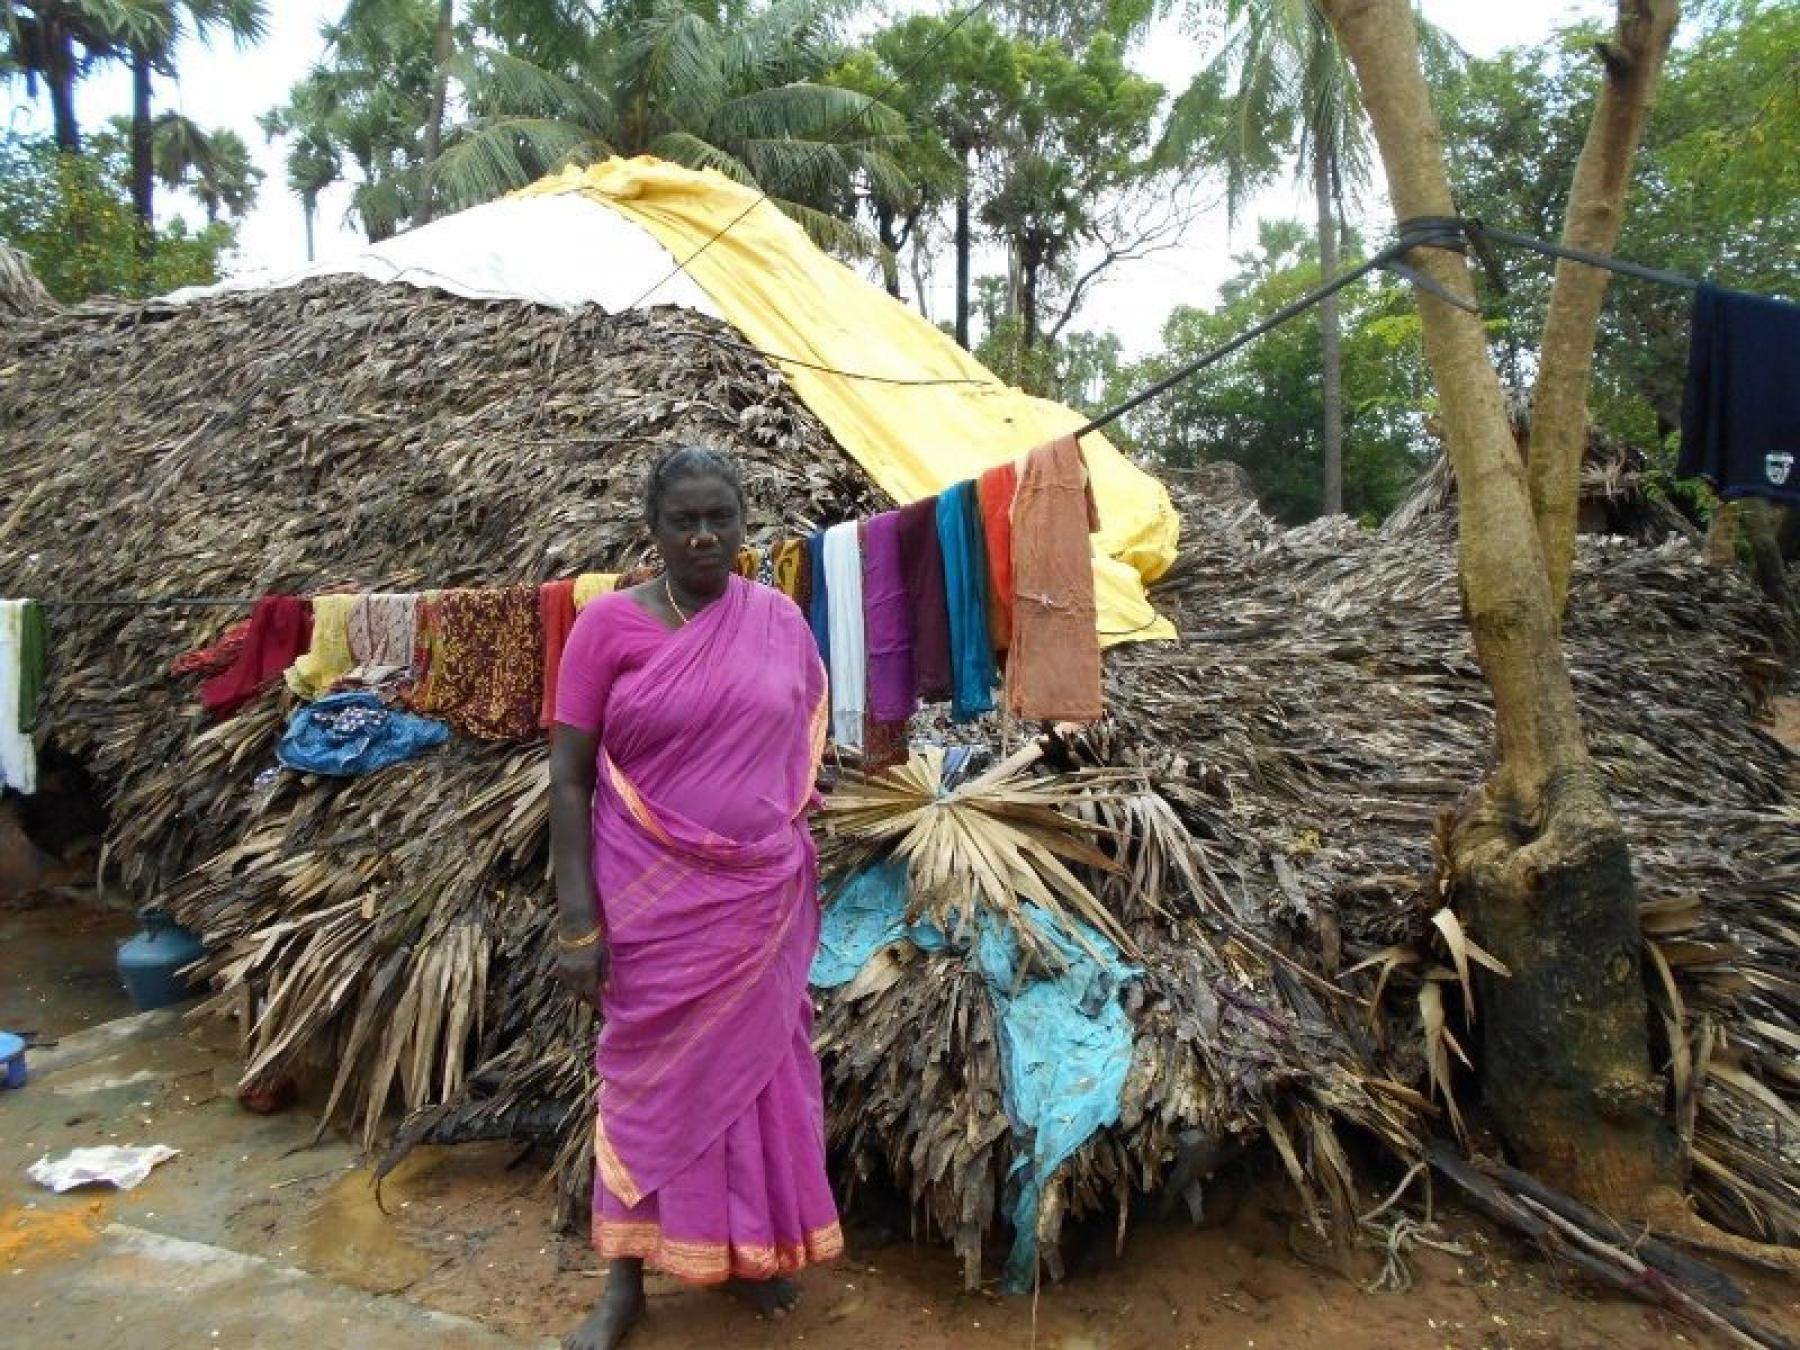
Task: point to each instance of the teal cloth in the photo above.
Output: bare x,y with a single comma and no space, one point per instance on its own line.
964,545
33,644
1065,1039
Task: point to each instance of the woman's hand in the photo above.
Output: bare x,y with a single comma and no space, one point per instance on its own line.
583,971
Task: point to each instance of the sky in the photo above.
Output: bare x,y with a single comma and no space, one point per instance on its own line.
224,86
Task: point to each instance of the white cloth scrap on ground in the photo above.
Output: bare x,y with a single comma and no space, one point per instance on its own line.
18,755
117,1165
849,660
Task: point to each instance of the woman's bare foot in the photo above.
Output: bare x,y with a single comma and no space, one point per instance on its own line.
773,1299
616,1314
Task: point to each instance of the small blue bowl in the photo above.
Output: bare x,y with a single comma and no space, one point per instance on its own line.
12,1061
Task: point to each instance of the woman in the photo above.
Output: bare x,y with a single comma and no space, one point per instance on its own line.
690,721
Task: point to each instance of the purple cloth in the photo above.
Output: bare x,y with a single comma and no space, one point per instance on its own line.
709,1136
887,621
922,559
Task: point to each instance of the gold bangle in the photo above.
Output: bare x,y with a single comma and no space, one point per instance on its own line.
576,944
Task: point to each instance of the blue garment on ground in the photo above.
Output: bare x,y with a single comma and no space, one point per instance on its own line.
818,608
964,545
348,734
1065,1039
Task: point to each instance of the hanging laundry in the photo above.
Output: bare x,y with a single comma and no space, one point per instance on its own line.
818,599
848,660
922,569
349,734
965,595
1740,411
487,679
34,642
996,489
748,563
328,658
592,585
280,630
383,630
1053,671
792,574
216,656
18,753
556,610
886,622
427,652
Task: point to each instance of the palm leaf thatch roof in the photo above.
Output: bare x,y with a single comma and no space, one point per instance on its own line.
1256,819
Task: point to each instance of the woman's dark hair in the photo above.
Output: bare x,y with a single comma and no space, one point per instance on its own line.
689,461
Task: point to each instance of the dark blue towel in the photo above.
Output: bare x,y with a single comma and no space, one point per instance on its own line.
1740,412
964,543
818,610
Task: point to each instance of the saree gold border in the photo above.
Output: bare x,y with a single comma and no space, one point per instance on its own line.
715,1262
653,884
628,794
613,1172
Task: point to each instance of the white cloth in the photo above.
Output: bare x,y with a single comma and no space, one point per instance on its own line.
564,251
849,653
18,756
117,1165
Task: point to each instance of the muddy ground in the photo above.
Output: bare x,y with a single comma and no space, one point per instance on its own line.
465,1231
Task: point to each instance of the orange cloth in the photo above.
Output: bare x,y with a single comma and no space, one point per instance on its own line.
1053,673
556,605
996,489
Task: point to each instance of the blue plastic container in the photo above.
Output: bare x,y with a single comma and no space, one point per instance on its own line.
149,963
12,1061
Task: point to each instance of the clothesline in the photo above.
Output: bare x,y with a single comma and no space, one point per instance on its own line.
1449,232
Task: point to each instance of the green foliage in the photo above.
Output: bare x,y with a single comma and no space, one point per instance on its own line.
71,215
722,86
1262,407
1716,191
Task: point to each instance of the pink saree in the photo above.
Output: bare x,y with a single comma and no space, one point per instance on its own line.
709,1137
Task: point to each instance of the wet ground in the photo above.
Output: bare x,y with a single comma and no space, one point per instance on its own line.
256,1236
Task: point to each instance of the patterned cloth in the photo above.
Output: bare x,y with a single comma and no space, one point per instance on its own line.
383,630
217,656
487,679
793,575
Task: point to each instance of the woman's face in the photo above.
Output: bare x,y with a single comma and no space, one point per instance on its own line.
699,531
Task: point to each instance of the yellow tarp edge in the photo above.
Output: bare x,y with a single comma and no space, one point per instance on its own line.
789,298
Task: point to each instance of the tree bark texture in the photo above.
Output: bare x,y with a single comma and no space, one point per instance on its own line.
143,163
1538,861
434,125
1330,346
59,75
1632,61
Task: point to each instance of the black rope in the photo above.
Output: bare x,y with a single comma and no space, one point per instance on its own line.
1478,232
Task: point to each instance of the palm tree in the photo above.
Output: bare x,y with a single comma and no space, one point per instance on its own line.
148,37
1280,90
214,165
54,43
696,84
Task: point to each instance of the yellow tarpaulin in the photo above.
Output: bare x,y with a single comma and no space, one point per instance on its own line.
788,298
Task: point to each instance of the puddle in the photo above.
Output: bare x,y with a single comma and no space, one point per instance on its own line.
348,1239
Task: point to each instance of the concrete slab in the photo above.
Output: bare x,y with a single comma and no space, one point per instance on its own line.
108,1038
139,1290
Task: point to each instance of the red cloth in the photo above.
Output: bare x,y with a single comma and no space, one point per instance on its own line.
556,606
217,656
996,489
280,630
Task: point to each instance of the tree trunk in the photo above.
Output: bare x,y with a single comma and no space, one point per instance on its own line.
1029,272
309,207
890,249
962,268
1559,422
434,124
1330,349
59,75
1746,533
143,163
1537,859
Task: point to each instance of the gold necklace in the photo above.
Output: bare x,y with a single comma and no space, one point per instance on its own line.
670,592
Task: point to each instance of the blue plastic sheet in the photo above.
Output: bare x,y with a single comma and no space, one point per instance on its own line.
1065,1040
344,735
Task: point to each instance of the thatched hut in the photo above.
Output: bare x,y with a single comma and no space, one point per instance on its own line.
1289,756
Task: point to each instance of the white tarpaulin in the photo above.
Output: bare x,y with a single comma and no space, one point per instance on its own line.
561,251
